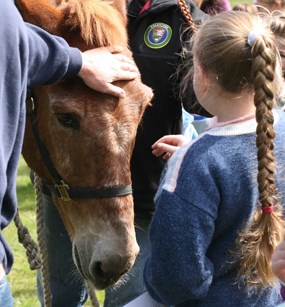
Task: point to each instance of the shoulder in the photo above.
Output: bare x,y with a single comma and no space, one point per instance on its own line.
206,155
188,156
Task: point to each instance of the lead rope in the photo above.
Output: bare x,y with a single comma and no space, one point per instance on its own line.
42,247
187,15
36,254
24,237
43,250
92,295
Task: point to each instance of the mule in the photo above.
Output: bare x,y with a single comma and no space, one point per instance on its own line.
80,141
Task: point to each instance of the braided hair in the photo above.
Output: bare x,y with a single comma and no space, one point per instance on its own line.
239,49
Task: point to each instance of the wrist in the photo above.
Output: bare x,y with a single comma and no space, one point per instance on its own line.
75,62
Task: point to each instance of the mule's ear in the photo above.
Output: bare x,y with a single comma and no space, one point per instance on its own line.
41,13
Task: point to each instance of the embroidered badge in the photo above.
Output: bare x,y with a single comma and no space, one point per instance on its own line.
157,35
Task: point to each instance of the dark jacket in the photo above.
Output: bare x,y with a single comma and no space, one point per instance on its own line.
155,40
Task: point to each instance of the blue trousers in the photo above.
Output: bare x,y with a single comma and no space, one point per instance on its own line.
67,286
6,299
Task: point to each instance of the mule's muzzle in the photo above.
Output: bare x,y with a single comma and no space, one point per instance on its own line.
104,271
108,272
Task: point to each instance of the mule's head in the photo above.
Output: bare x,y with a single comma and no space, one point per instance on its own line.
90,138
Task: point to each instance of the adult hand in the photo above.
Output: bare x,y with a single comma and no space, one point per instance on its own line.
278,261
168,144
102,66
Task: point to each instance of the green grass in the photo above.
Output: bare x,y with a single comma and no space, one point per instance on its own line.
22,279
235,2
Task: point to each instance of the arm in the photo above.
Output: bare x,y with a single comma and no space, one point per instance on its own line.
181,232
174,273
51,59
45,58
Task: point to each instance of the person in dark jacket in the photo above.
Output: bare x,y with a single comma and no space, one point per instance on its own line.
26,61
157,30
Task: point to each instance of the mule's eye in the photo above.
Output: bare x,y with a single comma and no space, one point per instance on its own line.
68,121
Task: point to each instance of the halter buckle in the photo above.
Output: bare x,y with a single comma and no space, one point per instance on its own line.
62,189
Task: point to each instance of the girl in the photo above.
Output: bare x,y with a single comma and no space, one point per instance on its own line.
218,211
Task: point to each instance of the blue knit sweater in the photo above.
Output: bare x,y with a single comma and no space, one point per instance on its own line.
28,57
208,191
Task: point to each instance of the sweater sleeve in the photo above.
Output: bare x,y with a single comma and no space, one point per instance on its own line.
40,57
50,57
178,268
181,232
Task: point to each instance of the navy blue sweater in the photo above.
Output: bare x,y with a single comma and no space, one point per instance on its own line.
29,56
208,192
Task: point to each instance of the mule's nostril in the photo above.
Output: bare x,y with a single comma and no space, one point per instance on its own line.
97,270
109,269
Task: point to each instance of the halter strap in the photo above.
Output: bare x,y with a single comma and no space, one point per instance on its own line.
65,192
60,188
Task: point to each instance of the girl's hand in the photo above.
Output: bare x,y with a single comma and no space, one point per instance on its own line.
278,261
168,144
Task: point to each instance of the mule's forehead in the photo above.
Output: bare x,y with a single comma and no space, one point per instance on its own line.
78,99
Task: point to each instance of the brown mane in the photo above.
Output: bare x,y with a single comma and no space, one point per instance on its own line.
95,19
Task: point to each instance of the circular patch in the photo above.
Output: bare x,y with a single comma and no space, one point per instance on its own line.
157,35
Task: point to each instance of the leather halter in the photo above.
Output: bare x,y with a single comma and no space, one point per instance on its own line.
60,188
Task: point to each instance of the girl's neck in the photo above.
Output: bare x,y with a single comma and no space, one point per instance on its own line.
214,123
230,107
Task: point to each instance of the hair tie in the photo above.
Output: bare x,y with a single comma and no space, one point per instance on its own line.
254,34
268,209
